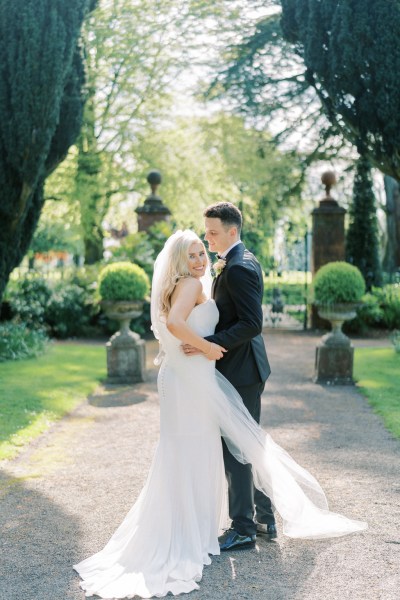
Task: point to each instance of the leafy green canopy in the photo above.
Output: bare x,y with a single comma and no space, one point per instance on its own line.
264,78
41,77
362,240
221,158
337,283
352,58
131,80
123,281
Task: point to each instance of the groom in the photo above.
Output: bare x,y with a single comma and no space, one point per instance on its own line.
238,293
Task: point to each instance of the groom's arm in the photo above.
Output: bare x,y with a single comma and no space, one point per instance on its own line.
243,286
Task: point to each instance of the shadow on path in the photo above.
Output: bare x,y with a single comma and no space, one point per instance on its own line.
39,542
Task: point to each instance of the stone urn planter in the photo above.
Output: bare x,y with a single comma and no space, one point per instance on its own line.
337,314
123,287
337,288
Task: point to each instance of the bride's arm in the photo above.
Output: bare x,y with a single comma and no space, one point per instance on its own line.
186,294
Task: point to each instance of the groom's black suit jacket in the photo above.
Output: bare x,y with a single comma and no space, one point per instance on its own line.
238,293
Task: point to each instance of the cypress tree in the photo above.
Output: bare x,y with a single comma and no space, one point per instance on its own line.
352,57
362,246
41,102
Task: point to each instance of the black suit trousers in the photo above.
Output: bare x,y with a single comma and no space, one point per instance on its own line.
243,496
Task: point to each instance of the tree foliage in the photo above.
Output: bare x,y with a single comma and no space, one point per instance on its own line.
221,158
130,76
351,53
41,77
362,245
264,78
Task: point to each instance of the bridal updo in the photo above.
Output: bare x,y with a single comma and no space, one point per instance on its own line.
177,266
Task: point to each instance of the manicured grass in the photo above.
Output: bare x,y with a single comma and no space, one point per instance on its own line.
36,392
377,371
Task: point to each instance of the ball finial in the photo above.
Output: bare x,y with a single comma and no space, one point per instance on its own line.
328,179
154,179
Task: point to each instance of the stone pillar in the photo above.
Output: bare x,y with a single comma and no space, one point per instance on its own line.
328,237
153,209
328,228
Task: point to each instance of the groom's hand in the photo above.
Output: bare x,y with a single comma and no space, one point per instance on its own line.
215,353
190,350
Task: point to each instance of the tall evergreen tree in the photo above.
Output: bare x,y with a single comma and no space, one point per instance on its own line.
41,79
352,57
362,246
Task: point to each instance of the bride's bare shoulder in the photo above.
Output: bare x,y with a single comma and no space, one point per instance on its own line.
188,286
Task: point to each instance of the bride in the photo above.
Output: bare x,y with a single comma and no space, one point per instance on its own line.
172,529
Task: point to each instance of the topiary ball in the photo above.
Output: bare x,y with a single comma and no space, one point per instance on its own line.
123,281
338,283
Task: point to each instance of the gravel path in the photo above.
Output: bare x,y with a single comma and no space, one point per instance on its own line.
65,495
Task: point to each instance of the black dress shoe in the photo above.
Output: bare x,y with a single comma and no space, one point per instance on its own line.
232,540
267,529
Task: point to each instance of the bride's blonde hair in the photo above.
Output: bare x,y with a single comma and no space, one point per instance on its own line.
177,267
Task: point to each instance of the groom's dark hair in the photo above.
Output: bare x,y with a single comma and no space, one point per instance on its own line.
228,213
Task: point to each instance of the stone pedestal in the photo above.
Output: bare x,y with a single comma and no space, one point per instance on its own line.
334,355
126,358
334,364
126,351
151,212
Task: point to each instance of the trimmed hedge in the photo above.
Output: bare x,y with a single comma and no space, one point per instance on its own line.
338,283
123,281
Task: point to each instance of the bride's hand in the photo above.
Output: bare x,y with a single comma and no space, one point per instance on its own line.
215,352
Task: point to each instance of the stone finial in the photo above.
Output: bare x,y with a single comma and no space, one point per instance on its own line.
154,179
328,179
153,209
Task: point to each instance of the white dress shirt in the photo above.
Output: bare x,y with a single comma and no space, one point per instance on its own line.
223,255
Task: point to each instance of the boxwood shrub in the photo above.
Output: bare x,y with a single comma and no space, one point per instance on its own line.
123,281
338,283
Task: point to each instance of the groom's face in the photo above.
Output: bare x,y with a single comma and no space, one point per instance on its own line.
218,236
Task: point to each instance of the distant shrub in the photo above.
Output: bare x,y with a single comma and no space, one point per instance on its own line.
380,309
123,281
69,311
62,308
85,277
389,299
137,249
28,300
69,307
370,311
18,341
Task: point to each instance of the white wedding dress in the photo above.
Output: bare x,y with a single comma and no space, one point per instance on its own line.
173,527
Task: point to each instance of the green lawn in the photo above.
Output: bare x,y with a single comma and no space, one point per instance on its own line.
377,371
36,392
